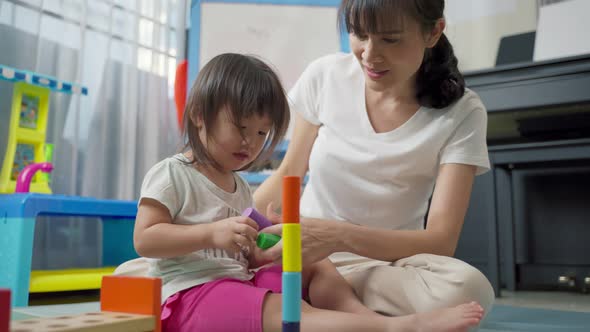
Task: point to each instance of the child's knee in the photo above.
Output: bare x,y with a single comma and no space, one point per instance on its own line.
326,267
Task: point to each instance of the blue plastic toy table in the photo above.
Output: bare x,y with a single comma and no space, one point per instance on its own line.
17,228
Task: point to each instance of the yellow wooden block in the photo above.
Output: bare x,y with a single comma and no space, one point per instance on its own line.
91,322
291,247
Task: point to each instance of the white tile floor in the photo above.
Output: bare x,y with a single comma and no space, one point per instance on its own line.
546,300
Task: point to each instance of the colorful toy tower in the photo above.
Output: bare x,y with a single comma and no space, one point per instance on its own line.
291,254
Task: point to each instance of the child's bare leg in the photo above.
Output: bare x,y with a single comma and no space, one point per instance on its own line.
456,319
329,290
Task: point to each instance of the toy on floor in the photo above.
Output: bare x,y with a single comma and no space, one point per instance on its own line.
18,213
126,304
291,254
47,281
4,310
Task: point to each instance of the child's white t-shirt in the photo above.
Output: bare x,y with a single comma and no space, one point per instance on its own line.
191,198
380,180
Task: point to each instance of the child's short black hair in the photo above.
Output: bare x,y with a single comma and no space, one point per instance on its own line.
244,85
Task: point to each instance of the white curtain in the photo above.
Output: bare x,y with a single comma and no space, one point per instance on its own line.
125,52
133,127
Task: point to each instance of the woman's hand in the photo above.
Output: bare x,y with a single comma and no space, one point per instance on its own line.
233,234
319,238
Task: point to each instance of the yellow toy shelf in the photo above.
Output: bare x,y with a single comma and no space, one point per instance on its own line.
26,137
44,281
28,124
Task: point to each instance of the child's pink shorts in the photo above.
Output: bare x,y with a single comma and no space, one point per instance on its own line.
226,305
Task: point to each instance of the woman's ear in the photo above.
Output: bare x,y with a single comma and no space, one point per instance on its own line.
436,32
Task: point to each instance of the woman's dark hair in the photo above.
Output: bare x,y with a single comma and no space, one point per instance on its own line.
438,81
245,86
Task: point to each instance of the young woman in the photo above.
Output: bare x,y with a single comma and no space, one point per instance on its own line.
383,131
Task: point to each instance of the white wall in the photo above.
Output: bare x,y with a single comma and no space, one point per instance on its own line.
285,36
475,27
289,37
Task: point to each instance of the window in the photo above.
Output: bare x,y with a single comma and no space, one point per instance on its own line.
141,32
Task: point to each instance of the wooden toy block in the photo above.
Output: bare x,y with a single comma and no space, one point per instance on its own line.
90,322
134,295
128,304
4,310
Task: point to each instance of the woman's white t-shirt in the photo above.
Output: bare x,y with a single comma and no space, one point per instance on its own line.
385,179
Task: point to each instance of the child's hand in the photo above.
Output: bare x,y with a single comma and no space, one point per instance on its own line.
234,233
275,253
259,257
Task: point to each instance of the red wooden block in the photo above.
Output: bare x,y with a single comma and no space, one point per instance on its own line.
4,310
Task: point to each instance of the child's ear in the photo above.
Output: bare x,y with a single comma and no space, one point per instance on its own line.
197,121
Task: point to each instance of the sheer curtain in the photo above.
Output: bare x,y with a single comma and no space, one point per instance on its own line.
125,52
135,127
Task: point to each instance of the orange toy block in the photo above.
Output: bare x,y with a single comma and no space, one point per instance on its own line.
134,295
4,310
291,195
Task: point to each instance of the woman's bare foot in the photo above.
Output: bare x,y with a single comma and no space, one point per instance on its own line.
455,319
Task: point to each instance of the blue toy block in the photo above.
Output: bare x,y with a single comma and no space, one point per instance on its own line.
17,228
291,297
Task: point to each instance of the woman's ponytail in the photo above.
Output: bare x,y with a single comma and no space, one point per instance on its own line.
439,82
